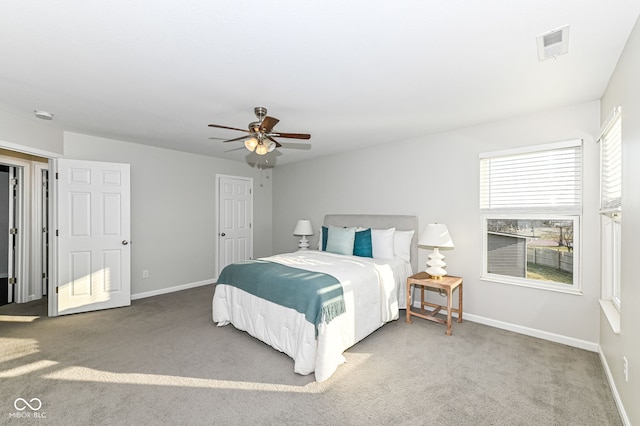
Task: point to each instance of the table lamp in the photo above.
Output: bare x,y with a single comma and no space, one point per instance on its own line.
436,236
303,228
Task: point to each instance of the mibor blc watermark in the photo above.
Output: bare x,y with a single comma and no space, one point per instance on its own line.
28,409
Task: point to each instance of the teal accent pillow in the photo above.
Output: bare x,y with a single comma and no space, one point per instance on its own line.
362,245
325,235
341,240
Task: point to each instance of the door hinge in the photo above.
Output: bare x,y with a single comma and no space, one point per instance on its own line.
56,289
13,231
56,175
57,233
44,275
12,280
14,181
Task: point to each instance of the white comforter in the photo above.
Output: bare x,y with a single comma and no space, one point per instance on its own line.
374,290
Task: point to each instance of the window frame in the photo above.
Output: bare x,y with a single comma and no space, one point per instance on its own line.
552,212
610,257
611,217
575,288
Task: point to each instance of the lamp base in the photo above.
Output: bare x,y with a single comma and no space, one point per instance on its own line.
436,273
435,264
304,243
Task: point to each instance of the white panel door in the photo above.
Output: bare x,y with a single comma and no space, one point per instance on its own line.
235,217
94,266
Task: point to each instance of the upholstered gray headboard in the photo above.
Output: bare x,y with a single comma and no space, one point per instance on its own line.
380,221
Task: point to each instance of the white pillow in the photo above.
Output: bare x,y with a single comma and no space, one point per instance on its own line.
320,239
340,240
382,243
402,245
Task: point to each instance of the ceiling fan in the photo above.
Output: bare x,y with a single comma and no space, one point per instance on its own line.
260,138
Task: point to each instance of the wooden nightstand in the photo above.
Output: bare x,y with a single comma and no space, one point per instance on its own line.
447,283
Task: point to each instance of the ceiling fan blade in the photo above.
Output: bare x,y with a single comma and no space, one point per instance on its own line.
293,135
268,123
278,144
226,127
235,139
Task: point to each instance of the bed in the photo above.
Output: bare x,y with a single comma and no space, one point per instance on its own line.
361,293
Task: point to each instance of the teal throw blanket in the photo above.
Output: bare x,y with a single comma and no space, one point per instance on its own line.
316,295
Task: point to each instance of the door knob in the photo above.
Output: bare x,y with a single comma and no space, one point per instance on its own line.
125,242
223,234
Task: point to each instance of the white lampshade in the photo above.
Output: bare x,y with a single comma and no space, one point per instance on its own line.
436,236
251,143
304,228
261,149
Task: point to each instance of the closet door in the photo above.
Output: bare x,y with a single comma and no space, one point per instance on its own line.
235,217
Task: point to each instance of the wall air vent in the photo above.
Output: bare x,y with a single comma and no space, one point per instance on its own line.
553,43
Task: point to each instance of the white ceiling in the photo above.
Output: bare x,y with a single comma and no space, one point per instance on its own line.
350,73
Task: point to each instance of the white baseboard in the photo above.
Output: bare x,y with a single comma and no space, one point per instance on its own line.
565,340
614,390
558,338
171,289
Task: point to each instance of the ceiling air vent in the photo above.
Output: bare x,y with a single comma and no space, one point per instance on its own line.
553,43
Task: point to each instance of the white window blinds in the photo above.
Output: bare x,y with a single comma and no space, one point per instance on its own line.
611,164
546,178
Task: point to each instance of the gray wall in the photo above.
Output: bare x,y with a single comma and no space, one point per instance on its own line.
624,89
173,216
30,131
436,177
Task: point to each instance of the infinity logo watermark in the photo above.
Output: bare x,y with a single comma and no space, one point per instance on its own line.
34,404
21,404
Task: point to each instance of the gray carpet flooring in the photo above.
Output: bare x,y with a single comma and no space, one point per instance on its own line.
162,361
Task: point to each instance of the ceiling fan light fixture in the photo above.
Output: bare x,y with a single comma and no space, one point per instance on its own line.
261,149
251,143
258,136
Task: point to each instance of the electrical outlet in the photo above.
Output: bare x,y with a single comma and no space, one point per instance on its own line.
625,368
145,273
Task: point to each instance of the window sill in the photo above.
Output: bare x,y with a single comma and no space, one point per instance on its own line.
612,314
501,279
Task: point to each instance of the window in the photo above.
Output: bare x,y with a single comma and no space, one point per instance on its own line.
610,257
611,207
531,205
